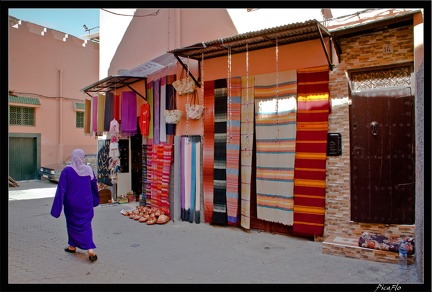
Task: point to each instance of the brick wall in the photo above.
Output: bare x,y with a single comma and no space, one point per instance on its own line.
358,52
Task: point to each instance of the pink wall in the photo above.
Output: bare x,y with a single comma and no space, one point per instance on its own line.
55,71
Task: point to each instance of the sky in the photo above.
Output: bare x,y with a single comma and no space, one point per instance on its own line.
67,20
71,20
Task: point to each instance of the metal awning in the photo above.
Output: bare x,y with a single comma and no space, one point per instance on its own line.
112,83
257,40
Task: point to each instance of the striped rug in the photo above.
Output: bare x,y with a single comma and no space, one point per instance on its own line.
233,151
246,146
311,149
208,150
220,143
275,116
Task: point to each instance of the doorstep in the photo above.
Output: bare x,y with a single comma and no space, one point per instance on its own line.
341,245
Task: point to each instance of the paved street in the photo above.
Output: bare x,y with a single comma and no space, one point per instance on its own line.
178,252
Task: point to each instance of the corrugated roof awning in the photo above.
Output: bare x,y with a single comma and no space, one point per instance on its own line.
112,83
27,101
261,39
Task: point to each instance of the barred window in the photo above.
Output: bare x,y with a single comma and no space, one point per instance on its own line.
21,116
79,121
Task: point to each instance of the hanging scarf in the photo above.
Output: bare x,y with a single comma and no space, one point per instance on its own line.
77,163
129,113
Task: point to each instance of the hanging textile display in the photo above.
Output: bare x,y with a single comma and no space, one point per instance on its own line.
191,178
144,119
109,110
170,94
162,107
94,114
220,142
87,116
128,113
160,165
156,111
178,173
116,107
143,199
233,150
208,150
311,149
100,114
149,175
149,96
275,126
246,146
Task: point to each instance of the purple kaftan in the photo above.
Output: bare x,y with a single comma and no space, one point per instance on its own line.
78,195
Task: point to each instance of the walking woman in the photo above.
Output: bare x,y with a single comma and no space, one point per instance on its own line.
77,191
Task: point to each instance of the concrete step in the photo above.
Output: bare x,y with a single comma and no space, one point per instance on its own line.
341,245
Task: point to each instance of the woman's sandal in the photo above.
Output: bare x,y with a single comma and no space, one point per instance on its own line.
92,258
67,249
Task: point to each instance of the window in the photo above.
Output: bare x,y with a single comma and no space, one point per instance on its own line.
79,120
22,116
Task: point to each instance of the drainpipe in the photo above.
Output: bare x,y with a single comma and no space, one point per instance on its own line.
60,132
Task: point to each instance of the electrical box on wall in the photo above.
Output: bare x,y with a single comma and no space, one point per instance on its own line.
334,144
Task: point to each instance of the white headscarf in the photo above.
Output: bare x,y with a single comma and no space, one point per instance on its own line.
77,163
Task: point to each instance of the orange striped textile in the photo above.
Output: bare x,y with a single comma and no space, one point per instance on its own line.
275,125
208,150
233,151
246,147
311,150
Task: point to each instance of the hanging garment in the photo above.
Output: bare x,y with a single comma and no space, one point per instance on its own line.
114,130
129,113
150,102
144,119
208,151
246,146
178,171
116,107
275,114
94,114
311,151
170,94
162,107
156,111
220,140
233,151
87,116
100,114
109,110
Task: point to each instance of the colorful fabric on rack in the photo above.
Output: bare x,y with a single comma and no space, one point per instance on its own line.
246,146
220,142
198,181
116,107
182,180
144,175
100,113
187,177
162,107
94,114
233,151
275,116
156,113
109,110
148,187
208,150
166,158
87,116
128,113
311,151
170,94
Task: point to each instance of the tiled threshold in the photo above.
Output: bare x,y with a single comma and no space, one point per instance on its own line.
340,245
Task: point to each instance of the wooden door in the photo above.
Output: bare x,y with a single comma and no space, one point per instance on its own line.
382,157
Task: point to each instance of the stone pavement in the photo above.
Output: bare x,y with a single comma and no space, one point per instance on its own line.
178,252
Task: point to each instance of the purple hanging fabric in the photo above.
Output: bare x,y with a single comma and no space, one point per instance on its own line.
156,97
128,113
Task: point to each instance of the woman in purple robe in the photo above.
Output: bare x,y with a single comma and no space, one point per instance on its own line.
77,191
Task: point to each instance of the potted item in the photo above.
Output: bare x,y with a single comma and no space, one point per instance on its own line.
131,197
